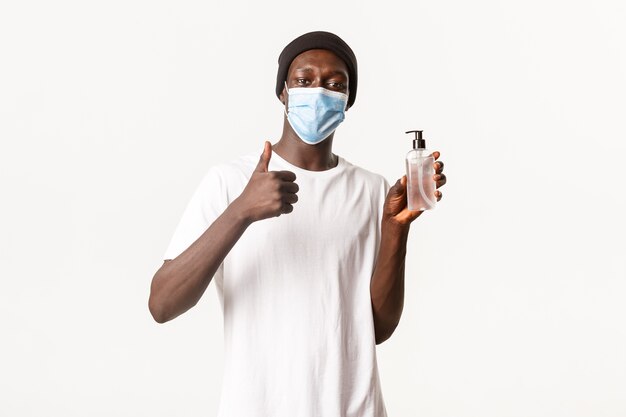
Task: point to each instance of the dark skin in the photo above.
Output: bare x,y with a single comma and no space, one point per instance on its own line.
314,68
179,284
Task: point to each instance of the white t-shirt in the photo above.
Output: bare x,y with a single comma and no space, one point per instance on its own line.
295,292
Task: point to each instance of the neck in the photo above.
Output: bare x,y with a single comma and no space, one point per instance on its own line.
318,157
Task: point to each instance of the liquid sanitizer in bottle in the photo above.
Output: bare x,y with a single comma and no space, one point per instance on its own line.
419,174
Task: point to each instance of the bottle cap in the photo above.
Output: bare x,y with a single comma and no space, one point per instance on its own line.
418,142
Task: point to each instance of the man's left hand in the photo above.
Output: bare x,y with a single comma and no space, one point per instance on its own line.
396,209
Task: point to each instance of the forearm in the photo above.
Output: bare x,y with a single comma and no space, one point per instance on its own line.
179,284
387,284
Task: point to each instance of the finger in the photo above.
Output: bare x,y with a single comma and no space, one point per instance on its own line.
396,198
289,187
290,198
440,179
286,175
287,208
414,214
264,160
403,186
407,216
438,195
438,167
399,187
436,155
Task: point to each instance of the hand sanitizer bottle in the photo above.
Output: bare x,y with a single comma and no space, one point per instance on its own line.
419,174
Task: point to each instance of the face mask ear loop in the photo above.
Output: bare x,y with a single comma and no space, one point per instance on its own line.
286,88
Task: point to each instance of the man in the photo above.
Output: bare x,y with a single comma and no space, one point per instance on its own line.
310,274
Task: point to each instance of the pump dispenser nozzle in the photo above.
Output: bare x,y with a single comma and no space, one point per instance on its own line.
418,142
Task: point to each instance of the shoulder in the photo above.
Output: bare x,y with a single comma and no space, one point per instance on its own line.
370,178
228,175
234,169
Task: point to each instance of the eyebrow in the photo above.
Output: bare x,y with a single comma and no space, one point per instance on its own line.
310,69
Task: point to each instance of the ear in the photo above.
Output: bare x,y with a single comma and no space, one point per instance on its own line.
282,96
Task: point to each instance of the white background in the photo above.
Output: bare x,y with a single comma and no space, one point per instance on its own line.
111,112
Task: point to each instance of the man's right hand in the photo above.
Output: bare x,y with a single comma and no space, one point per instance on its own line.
268,193
178,284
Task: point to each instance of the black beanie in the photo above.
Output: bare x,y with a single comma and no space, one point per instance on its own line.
317,40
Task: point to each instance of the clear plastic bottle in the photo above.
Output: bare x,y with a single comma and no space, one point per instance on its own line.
419,174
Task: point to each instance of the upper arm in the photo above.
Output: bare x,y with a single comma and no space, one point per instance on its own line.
206,204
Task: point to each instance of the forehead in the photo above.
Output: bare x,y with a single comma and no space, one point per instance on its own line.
321,59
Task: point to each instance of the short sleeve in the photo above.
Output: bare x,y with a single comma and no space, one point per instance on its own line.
386,188
383,188
207,203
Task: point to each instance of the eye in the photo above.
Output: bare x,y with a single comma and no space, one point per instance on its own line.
336,85
301,81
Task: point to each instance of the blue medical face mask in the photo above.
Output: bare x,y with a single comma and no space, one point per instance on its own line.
315,112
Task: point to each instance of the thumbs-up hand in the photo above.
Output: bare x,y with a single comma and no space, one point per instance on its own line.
264,160
268,193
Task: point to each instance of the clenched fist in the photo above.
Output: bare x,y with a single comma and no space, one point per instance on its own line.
268,193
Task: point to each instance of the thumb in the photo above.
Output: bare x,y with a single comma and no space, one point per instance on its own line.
399,188
264,160
396,198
